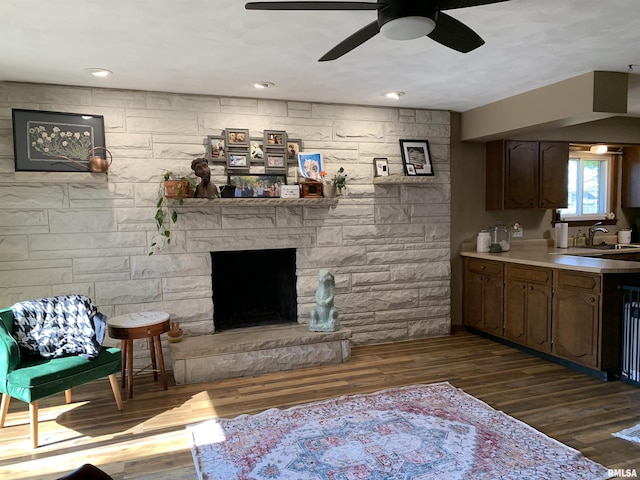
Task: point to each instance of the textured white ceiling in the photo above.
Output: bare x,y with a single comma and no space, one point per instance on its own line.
217,47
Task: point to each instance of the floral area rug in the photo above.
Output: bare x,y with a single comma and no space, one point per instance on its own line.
418,432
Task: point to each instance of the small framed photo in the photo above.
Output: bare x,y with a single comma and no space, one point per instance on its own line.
380,167
55,141
275,138
237,137
294,146
416,157
215,147
257,186
275,161
237,160
257,153
310,165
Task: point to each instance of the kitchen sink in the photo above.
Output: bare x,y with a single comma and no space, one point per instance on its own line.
612,246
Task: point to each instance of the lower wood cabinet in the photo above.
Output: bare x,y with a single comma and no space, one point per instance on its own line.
576,317
568,315
527,306
483,297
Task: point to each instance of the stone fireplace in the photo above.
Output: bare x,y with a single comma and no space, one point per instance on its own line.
387,242
253,288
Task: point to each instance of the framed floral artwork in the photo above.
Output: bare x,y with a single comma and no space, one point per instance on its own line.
55,141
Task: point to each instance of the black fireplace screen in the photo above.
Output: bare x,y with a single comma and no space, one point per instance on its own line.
254,287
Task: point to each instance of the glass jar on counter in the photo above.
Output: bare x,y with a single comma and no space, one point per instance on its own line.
483,242
500,238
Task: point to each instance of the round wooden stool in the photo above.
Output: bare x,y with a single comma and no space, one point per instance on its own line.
131,326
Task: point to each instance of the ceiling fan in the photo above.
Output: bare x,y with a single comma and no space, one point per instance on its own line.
397,20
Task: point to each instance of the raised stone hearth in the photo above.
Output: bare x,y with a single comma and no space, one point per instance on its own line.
256,350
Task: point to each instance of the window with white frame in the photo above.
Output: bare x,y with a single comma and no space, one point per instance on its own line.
589,186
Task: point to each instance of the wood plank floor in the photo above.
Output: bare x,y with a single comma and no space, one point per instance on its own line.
148,441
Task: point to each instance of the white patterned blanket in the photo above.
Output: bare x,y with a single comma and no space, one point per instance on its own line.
59,326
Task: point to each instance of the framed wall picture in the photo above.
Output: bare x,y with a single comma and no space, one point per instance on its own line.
416,157
275,138
310,165
55,141
237,137
215,147
380,167
275,161
294,146
257,152
257,186
238,160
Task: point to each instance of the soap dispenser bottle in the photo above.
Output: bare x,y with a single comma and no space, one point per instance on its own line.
580,240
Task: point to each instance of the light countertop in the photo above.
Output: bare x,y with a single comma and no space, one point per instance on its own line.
541,255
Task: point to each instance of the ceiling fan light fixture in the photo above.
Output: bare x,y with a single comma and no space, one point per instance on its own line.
262,85
408,28
599,149
394,95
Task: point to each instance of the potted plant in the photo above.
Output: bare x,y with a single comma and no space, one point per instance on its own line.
173,187
336,184
340,180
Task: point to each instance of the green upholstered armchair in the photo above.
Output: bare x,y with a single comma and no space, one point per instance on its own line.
29,378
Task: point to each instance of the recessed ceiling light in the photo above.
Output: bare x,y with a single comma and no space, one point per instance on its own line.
262,85
99,72
393,95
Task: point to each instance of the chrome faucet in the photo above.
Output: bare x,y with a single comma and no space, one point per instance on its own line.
595,228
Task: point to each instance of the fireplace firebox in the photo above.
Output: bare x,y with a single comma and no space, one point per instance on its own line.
254,288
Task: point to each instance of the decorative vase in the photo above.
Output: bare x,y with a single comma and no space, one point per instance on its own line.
174,335
177,188
329,191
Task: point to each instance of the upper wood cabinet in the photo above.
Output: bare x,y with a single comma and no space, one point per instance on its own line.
630,177
524,174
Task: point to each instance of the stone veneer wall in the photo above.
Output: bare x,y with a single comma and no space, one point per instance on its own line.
387,245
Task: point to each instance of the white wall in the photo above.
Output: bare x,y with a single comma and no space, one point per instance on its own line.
387,245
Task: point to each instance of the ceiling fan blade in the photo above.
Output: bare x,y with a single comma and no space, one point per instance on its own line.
454,34
351,42
451,4
311,5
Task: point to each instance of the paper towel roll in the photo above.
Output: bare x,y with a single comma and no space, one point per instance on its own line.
562,235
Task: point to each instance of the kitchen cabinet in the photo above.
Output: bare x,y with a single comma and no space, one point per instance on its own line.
483,298
630,197
568,315
576,317
527,306
526,174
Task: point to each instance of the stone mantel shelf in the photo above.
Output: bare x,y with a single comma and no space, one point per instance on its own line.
253,202
403,179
